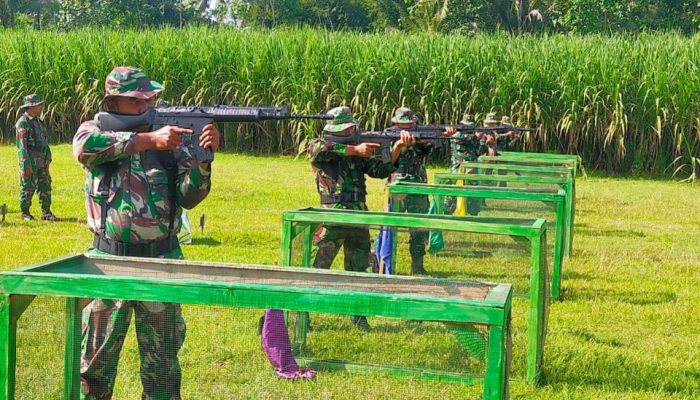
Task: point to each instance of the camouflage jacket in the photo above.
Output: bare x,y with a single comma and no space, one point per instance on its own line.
411,164
139,201
467,151
337,174
32,147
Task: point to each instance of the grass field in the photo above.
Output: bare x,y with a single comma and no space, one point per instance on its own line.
627,328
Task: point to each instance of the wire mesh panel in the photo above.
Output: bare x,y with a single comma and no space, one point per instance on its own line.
40,349
145,332
491,202
475,253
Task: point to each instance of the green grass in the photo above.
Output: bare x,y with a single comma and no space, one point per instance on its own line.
626,330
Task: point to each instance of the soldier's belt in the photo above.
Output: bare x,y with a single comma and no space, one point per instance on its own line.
152,249
342,198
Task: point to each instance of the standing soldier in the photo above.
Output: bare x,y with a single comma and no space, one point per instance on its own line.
34,159
340,180
507,142
340,171
411,168
137,184
467,149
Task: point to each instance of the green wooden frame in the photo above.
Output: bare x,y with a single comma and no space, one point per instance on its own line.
566,183
519,169
304,221
556,197
80,278
514,157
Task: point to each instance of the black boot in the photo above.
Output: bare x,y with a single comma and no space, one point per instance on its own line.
360,322
417,266
27,216
48,216
3,212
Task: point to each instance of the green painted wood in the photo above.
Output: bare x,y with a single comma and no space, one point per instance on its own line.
578,165
556,197
8,332
541,160
528,169
532,230
220,284
536,318
71,364
490,225
495,386
568,184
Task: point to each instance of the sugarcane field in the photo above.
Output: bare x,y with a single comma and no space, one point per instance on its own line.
306,199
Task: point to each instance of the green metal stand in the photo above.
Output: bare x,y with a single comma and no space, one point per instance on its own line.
83,277
556,197
534,231
566,183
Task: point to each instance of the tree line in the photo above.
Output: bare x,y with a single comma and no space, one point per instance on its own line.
444,16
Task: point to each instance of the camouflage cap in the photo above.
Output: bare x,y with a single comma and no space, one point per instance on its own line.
467,119
31,101
491,119
130,82
342,120
505,120
403,115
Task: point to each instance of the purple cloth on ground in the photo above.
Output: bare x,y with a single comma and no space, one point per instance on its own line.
278,348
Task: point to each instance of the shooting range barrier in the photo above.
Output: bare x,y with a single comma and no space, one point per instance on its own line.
479,312
527,181
303,223
555,197
541,159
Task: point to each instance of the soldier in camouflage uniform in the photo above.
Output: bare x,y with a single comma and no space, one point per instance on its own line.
340,171
34,159
468,149
411,168
137,185
507,142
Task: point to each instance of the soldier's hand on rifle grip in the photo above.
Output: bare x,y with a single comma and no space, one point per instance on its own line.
167,137
362,150
449,131
407,140
209,139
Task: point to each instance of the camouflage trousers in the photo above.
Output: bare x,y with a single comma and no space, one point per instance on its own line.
32,180
473,204
416,204
327,241
160,332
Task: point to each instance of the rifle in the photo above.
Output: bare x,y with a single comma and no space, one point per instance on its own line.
424,133
195,118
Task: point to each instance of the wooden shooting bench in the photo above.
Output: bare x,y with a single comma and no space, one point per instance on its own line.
563,182
80,278
556,197
542,159
306,220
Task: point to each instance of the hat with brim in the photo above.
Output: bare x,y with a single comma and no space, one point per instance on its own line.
130,82
31,101
491,119
342,120
467,119
404,115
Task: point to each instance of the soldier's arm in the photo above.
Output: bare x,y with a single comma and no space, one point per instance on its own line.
92,147
22,135
375,168
193,179
321,150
